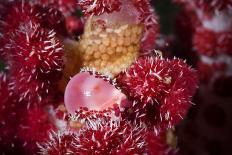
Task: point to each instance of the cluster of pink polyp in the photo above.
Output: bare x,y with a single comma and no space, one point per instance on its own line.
208,25
133,112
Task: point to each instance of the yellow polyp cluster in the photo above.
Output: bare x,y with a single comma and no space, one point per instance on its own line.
110,49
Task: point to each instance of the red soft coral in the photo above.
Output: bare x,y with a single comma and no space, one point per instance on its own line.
34,127
147,17
208,6
36,61
146,80
205,72
59,144
160,89
97,7
25,13
212,5
210,43
10,114
4,92
178,101
112,138
67,7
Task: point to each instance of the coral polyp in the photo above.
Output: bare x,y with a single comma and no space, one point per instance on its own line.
45,16
112,138
160,87
67,7
36,58
210,43
34,127
97,7
110,48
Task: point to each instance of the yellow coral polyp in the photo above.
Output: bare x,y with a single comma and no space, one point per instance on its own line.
110,49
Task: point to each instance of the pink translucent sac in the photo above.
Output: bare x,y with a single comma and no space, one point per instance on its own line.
123,16
85,90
